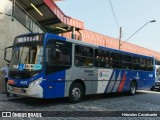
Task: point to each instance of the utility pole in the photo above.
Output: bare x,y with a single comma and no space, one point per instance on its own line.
73,32
120,36
120,33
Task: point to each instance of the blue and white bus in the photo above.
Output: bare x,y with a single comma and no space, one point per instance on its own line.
50,66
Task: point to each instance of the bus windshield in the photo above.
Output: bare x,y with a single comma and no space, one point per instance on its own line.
27,57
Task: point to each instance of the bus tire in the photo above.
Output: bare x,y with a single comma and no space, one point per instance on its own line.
152,88
132,90
76,93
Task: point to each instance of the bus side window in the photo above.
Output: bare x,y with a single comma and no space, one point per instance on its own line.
58,55
143,64
107,62
98,61
102,58
111,62
49,54
116,60
127,62
77,61
57,59
136,65
98,58
83,56
150,65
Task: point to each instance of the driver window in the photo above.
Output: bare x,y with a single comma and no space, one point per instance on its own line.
58,55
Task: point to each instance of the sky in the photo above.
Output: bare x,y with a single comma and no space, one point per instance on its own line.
131,15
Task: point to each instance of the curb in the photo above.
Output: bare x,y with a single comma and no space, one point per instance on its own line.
4,98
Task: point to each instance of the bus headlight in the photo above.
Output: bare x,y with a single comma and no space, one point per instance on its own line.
35,82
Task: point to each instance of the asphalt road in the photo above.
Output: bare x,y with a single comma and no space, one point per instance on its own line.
142,101
152,97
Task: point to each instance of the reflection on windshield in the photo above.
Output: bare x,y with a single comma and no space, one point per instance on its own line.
27,57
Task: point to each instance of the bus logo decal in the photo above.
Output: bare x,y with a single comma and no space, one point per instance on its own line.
21,67
37,67
137,77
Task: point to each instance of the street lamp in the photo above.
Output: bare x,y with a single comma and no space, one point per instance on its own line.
120,44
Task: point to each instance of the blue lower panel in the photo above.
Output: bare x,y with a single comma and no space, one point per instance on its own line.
53,89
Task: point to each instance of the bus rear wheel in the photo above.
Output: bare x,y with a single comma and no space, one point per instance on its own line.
152,88
132,90
75,93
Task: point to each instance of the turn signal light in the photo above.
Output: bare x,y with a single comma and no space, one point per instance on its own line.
11,82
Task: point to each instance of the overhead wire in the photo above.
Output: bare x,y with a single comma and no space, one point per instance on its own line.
115,18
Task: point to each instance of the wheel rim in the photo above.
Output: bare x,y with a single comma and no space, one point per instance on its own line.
76,93
133,88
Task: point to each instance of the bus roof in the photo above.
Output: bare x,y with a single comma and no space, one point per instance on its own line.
110,49
89,44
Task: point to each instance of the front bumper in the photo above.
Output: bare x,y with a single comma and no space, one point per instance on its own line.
157,85
35,91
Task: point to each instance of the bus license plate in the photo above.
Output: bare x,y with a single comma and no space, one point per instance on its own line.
18,90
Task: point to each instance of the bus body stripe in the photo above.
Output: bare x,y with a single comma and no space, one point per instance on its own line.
122,82
117,83
111,83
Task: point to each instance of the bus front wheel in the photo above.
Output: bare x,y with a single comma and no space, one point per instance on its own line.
132,90
75,93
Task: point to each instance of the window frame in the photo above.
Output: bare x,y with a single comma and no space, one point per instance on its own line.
52,67
99,54
143,64
151,68
127,63
83,56
118,59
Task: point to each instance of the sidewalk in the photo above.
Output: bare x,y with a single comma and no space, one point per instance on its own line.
4,98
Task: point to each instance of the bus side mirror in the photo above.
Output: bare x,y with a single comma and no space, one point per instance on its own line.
8,53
